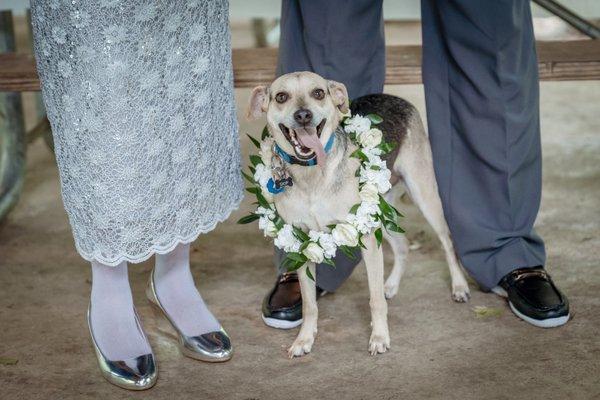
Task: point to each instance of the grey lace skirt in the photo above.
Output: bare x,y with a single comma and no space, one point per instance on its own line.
139,94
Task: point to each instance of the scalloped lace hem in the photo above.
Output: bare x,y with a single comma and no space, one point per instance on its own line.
160,249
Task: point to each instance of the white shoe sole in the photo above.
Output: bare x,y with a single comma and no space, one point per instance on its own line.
540,323
280,323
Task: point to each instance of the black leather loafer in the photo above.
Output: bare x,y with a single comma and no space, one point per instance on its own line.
282,306
534,298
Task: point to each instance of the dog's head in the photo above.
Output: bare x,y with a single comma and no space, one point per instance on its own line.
303,110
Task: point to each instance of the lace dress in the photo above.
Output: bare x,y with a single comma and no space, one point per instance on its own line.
139,94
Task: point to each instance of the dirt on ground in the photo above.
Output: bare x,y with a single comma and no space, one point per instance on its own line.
440,349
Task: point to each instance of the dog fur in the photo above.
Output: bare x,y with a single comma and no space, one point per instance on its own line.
322,195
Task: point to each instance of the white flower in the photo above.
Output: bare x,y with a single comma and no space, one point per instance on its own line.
381,178
286,240
345,235
314,252
326,242
267,226
357,124
262,175
266,212
370,138
363,220
369,193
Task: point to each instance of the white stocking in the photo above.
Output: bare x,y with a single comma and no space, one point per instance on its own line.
113,320
178,294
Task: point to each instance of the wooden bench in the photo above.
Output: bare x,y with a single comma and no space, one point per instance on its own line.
571,60
558,61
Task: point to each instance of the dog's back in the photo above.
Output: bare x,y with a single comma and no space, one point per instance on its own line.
398,117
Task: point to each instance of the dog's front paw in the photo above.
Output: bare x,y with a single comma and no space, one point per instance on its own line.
461,293
379,343
300,347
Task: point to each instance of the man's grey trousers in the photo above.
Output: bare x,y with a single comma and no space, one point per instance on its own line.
481,90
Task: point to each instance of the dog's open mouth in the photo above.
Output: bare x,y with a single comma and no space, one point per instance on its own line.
303,139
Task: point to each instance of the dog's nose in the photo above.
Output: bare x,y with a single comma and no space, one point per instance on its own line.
303,116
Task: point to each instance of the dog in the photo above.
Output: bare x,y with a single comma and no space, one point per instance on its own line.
303,111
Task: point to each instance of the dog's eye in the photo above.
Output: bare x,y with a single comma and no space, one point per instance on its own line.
318,94
281,97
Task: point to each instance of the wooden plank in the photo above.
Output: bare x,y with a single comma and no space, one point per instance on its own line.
568,60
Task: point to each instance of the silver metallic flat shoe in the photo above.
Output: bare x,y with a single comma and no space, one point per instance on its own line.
138,373
211,347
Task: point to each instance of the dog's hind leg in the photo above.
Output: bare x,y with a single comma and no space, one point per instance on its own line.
399,245
373,256
306,337
416,167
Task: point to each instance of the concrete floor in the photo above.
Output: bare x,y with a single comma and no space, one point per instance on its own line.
440,349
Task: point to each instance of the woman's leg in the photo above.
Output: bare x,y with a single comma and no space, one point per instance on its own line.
178,294
112,314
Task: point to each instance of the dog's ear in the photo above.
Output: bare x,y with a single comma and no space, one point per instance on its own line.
339,94
259,102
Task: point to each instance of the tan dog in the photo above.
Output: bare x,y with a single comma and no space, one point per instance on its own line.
303,111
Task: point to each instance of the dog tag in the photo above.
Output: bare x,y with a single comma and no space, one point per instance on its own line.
281,183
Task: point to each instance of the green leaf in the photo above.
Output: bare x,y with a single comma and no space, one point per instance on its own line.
360,155
255,160
248,218
253,190
298,257
309,274
386,147
396,211
348,252
248,177
304,246
361,244
329,261
375,168
262,201
357,173
291,264
278,221
252,169
387,209
375,119
300,234
354,208
265,133
379,236
331,226
392,226
256,142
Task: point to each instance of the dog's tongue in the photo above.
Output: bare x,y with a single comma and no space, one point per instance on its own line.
308,138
